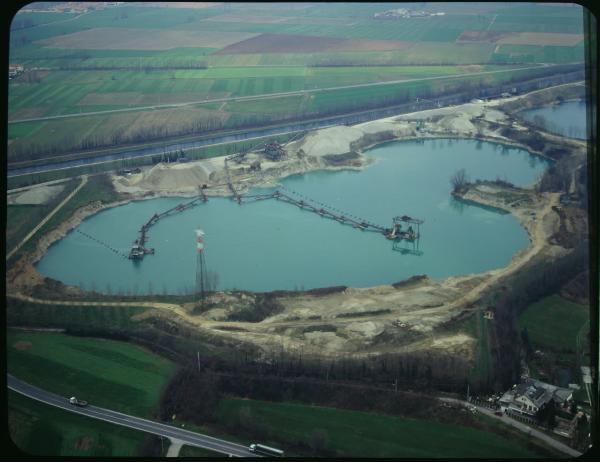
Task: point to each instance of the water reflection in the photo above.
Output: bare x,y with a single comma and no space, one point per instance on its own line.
407,247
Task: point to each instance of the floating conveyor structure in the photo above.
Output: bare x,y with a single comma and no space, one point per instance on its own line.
139,249
395,233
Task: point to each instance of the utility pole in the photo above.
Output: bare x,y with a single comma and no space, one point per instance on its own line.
198,356
201,284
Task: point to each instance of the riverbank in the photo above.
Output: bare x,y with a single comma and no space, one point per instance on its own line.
353,321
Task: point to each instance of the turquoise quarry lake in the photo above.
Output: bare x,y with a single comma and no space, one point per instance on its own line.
567,119
273,245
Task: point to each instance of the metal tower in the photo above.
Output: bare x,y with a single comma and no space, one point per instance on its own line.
201,281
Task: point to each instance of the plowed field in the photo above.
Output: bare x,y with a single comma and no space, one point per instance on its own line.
275,43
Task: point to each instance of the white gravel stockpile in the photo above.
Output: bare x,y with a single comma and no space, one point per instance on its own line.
333,140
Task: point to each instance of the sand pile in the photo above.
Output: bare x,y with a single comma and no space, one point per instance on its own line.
172,177
333,140
458,123
165,176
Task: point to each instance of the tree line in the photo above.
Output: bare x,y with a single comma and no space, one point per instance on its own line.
454,92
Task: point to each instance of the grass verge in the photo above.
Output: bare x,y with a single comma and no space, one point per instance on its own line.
361,434
39,429
554,323
108,373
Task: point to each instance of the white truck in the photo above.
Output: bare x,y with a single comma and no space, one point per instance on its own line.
265,450
77,402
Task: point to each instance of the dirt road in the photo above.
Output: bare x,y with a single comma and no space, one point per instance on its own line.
520,426
48,217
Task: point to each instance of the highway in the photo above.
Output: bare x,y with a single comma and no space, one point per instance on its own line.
137,423
255,134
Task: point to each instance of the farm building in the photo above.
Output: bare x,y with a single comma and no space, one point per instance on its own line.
528,397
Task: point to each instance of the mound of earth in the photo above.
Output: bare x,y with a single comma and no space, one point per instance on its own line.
457,124
171,177
328,141
275,43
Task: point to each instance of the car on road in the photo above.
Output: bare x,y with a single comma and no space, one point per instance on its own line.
499,413
77,402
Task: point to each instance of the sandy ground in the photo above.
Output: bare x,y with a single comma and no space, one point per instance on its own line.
34,196
356,321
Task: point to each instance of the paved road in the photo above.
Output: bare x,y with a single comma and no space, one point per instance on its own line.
520,426
272,95
45,220
188,437
113,154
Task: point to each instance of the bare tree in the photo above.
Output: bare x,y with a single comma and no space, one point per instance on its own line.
459,180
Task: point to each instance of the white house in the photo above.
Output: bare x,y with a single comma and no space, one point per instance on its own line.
528,397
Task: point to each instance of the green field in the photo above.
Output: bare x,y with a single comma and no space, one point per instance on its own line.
362,434
476,327
108,373
335,20
62,81
39,429
71,317
192,451
538,53
553,323
71,92
131,89
98,188
22,219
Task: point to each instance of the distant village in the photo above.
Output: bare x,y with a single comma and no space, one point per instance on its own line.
405,13
14,70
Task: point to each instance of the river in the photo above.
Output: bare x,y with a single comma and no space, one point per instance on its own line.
273,245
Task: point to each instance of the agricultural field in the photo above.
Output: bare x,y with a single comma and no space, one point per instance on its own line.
38,429
192,451
554,323
154,93
22,219
363,434
104,38
25,210
111,374
96,189
151,56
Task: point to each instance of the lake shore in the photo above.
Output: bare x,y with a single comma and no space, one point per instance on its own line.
421,308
